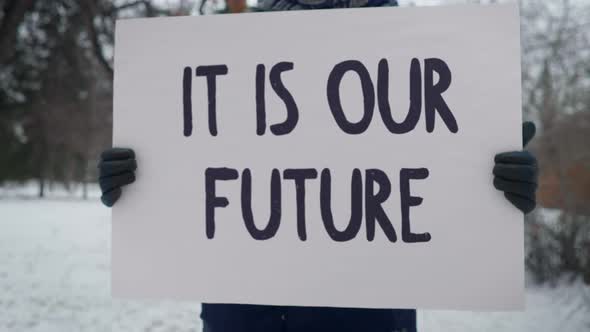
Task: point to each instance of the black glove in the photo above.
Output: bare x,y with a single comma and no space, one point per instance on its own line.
116,168
516,173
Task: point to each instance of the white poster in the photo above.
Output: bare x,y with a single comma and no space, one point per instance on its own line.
335,158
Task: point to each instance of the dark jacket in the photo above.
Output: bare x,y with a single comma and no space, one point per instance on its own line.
259,318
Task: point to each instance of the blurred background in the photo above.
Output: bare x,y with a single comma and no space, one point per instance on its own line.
56,115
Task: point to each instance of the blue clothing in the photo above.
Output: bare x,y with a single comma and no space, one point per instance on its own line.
261,318
279,5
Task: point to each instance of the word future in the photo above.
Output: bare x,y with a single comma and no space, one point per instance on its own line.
374,213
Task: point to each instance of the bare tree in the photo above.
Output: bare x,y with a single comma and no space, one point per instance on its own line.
556,49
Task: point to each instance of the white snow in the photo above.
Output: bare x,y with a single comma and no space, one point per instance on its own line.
55,277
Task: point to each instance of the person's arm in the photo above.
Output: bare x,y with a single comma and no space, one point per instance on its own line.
516,173
116,169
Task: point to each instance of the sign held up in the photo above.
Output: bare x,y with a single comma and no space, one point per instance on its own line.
282,163
375,178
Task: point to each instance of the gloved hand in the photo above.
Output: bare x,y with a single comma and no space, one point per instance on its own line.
516,173
116,169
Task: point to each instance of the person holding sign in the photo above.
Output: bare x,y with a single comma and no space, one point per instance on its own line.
515,174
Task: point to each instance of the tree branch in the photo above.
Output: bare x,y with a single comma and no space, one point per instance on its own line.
89,12
13,14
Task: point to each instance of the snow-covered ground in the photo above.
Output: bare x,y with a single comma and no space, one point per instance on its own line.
55,277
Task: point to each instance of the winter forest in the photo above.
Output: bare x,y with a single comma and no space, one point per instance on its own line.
56,71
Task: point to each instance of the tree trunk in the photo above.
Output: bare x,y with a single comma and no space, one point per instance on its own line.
41,187
84,189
